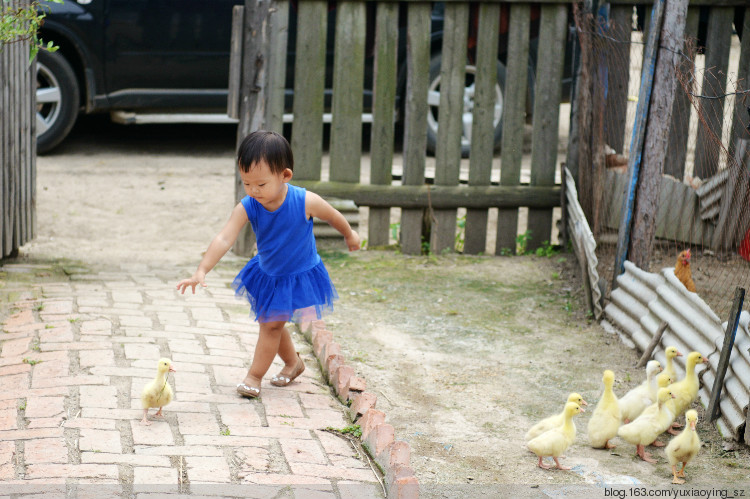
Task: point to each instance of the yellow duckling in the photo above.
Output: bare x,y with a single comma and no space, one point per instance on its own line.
636,400
686,390
650,424
606,417
670,353
157,393
684,447
553,421
554,442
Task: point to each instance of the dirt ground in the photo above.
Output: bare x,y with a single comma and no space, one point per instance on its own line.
464,353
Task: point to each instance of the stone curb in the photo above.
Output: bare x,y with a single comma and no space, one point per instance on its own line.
378,437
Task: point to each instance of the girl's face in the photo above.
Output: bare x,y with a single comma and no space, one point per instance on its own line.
266,187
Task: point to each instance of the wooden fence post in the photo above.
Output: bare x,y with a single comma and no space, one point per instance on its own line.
726,351
255,46
657,133
636,141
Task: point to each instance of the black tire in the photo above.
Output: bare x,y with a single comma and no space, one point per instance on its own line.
433,112
58,100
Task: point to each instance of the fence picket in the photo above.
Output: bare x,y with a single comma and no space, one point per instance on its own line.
514,119
382,132
448,151
483,128
279,26
415,134
547,93
309,86
348,84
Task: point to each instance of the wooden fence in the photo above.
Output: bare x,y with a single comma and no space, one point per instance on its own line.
17,144
256,97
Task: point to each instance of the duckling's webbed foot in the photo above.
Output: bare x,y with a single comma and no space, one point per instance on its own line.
609,445
542,465
657,443
560,466
159,414
145,421
674,476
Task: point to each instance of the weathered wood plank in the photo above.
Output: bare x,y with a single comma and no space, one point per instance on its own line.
439,197
279,26
617,58
348,84
740,116
253,94
514,119
657,131
384,105
547,92
235,61
309,86
718,42
415,117
448,150
483,128
679,129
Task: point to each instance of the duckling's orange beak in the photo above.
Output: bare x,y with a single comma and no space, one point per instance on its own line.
583,402
172,369
692,425
581,409
678,354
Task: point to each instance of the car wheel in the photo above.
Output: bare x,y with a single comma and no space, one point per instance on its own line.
433,100
57,100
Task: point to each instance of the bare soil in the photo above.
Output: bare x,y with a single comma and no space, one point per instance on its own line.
464,353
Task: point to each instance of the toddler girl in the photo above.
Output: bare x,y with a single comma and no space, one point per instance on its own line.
287,275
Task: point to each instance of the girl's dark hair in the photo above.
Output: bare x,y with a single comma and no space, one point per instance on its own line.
270,147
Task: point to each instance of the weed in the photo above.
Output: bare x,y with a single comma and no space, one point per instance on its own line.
225,432
555,275
31,362
49,326
546,249
522,242
73,320
395,230
506,252
22,406
461,234
352,429
39,307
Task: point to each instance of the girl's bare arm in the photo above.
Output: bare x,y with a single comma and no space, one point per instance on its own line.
217,249
317,207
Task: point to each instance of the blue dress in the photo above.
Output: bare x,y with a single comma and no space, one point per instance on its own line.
287,275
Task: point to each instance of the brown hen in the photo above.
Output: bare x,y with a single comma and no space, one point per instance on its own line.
682,270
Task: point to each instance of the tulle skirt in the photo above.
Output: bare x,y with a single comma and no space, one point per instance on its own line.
303,295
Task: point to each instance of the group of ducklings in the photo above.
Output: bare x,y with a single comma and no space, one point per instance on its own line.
639,417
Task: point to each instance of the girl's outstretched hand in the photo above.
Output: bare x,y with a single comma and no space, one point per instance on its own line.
352,241
198,278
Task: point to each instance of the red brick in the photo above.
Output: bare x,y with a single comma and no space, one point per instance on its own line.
197,424
45,450
7,449
100,440
44,407
19,319
326,471
286,406
362,403
322,338
8,420
253,458
370,420
332,363
207,469
357,384
234,415
302,451
15,348
401,483
340,381
379,438
398,453
15,369
72,471
331,348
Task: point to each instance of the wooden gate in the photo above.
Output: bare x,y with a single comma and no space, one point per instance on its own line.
17,144
257,83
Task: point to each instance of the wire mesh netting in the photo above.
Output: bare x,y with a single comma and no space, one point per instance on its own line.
704,194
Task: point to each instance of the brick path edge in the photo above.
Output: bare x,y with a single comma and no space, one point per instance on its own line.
378,437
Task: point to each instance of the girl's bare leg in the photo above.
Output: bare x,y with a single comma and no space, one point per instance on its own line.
273,338
287,352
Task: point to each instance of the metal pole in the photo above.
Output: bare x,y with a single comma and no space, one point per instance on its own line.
726,351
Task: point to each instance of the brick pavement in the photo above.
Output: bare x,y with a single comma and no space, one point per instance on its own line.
75,354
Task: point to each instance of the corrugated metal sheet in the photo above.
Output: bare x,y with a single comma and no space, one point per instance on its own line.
583,240
678,217
710,193
642,300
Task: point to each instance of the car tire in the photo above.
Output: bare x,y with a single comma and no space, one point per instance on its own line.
57,100
434,100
